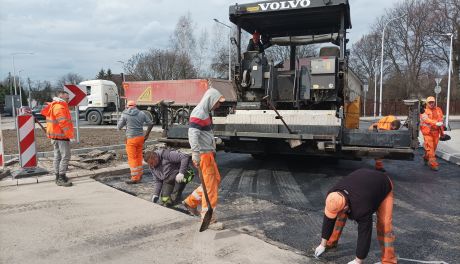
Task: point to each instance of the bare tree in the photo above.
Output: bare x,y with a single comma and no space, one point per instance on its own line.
183,38
69,78
161,65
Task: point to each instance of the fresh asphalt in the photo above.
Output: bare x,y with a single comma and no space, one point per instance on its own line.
281,200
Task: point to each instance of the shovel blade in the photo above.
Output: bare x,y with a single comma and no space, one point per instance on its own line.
206,220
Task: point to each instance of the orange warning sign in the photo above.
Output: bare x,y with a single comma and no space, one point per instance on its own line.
146,96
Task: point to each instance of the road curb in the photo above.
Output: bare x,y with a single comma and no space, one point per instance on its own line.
78,151
117,170
452,158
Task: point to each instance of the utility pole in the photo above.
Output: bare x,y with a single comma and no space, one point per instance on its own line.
229,48
381,61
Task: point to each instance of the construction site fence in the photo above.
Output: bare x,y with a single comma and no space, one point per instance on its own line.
398,108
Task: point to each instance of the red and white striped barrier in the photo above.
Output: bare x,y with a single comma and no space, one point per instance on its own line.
2,153
26,135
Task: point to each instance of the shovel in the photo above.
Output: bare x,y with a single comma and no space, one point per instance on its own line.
207,217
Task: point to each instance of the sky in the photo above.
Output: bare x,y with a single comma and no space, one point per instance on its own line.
86,35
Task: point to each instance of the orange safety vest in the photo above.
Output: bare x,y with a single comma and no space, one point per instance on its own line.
384,123
429,119
58,121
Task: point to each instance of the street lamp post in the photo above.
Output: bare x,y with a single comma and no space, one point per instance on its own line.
381,61
20,88
448,82
14,69
229,48
123,63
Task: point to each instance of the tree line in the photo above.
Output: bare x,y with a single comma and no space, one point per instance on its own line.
416,50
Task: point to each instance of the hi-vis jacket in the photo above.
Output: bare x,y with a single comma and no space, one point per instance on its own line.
429,119
384,123
58,121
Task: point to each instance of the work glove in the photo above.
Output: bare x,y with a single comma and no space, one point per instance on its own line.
319,250
439,124
179,177
72,140
353,262
154,198
196,159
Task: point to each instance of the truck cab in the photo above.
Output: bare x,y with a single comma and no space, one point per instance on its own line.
103,100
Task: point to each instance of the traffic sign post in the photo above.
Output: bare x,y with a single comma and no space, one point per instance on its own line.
77,96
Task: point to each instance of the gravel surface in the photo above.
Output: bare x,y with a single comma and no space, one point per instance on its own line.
88,138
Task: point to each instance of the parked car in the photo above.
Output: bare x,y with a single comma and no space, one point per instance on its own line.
36,112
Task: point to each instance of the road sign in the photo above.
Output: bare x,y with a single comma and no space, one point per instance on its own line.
438,81
437,89
77,94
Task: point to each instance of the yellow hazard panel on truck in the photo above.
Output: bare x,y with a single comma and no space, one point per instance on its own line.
146,96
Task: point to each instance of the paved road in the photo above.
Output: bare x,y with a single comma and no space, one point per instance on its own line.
281,201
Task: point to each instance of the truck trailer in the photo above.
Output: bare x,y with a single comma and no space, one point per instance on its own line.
302,106
105,104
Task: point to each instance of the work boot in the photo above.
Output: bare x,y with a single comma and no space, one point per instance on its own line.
132,182
192,211
61,182
65,177
425,162
435,168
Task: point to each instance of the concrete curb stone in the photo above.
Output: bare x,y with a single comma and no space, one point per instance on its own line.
117,170
81,150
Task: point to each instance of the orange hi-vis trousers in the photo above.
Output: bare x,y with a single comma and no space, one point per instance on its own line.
430,145
211,178
384,224
134,151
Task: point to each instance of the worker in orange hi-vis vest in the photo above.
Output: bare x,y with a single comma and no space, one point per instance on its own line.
431,125
59,129
134,120
387,123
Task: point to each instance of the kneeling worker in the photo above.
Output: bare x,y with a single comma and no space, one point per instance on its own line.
387,123
358,196
171,171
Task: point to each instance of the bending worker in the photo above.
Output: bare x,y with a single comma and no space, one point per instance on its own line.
134,121
171,171
59,129
202,143
358,196
387,123
431,124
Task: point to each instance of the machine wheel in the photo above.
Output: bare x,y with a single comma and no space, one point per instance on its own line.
94,118
149,115
182,116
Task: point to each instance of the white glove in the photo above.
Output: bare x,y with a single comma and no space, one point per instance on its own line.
319,250
353,262
179,177
72,140
196,158
154,198
439,124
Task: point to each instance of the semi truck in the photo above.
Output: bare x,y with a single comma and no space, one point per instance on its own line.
301,106
105,103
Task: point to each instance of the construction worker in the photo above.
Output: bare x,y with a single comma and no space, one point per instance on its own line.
171,171
358,196
255,43
431,124
134,121
202,143
387,123
59,129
